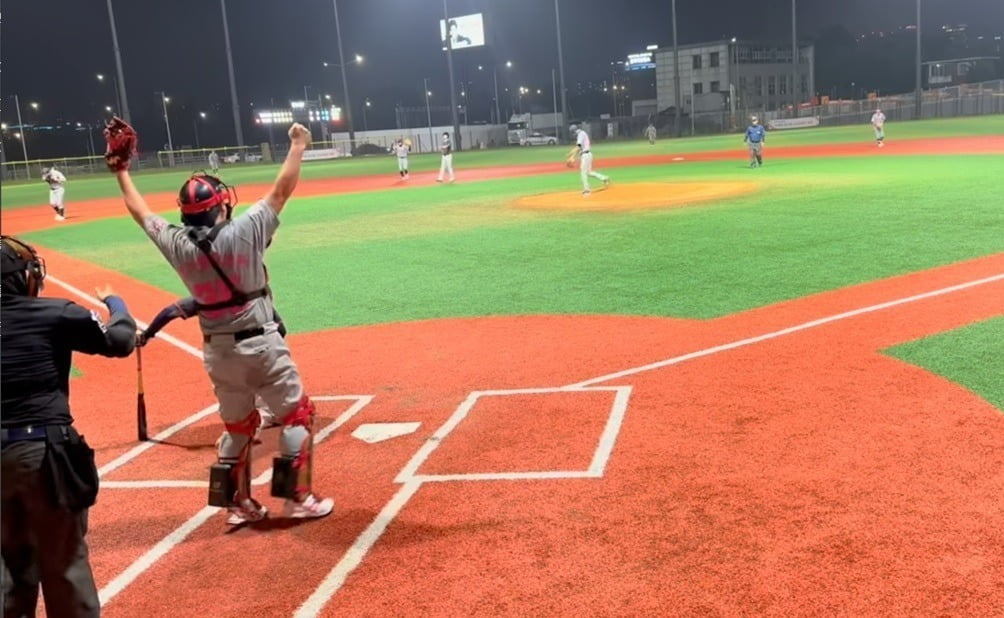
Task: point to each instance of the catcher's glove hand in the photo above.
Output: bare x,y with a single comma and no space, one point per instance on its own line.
122,141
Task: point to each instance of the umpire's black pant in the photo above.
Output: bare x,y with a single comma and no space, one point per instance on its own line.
42,544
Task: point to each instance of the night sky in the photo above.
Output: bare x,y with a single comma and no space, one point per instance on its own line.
52,50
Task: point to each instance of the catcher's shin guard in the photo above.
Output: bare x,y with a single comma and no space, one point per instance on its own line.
230,477
291,472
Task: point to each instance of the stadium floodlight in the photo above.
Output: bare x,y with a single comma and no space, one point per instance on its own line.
34,105
108,108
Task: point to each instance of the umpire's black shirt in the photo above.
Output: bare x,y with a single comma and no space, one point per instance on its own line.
38,336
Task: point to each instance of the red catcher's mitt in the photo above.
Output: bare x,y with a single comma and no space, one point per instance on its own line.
122,141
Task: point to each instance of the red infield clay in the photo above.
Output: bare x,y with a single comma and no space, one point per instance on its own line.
29,219
803,474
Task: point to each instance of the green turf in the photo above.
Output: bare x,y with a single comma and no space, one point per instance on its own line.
970,356
462,250
17,195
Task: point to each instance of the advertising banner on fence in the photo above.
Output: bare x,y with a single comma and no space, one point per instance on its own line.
793,123
322,153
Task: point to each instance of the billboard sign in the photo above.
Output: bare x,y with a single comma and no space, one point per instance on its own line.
463,32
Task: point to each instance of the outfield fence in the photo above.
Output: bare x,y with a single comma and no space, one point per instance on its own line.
963,100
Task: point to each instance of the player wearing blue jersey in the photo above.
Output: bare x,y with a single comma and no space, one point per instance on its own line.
756,135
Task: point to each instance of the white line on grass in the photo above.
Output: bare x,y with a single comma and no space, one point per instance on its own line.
412,482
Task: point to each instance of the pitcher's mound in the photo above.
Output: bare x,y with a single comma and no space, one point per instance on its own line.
637,196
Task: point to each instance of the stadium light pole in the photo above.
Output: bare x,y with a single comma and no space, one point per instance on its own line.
428,111
345,80
561,73
230,71
115,81
124,103
24,147
676,79
457,141
919,96
794,62
167,123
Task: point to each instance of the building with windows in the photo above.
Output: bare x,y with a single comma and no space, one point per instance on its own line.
734,75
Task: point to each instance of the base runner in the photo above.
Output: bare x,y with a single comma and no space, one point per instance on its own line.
221,262
57,191
401,149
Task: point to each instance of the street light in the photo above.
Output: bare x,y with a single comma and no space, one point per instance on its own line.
366,106
34,106
195,125
164,100
115,81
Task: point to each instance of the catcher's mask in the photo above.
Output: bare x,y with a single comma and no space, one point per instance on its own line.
202,193
23,269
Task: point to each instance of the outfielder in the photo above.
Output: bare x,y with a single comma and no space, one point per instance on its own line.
221,262
57,191
446,167
650,133
878,123
755,138
214,162
583,152
401,149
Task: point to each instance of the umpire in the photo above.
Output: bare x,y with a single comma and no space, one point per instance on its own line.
49,475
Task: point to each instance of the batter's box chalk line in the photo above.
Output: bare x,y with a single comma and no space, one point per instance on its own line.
596,468
361,401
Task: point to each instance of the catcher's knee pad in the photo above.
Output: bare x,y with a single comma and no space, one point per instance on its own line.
292,470
230,477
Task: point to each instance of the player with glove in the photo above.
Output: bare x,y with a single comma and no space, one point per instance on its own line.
243,351
583,152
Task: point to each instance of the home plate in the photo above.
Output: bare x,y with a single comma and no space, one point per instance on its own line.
378,432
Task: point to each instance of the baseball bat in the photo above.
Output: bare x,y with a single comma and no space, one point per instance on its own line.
140,398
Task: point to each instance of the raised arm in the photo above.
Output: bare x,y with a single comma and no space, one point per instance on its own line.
289,175
137,206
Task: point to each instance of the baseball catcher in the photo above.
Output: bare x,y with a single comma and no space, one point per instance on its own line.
220,259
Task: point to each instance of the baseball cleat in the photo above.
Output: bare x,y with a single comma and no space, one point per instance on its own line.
248,511
310,507
606,182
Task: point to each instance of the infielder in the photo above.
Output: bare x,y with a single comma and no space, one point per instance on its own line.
755,138
56,181
401,149
214,162
878,123
221,262
446,167
583,152
650,133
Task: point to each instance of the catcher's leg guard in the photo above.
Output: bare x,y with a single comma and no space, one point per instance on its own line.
230,477
291,472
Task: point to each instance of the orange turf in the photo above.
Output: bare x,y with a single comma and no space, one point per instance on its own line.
806,474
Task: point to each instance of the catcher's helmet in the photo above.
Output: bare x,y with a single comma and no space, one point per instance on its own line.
202,192
23,269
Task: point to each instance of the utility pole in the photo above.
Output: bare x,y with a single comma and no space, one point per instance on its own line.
676,79
24,137
233,83
554,98
458,142
167,124
345,82
428,112
795,90
561,72
919,92
118,65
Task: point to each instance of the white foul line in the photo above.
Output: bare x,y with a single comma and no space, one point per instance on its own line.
785,331
412,482
158,551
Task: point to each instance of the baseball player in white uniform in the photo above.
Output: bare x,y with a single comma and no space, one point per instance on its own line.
650,133
221,262
446,167
878,123
56,181
583,152
214,162
401,149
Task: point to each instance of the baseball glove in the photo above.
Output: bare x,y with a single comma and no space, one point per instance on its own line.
570,161
122,141
407,142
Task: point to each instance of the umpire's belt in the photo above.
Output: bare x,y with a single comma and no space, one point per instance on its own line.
53,433
240,335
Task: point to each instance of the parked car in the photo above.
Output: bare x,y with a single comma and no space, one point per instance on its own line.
539,139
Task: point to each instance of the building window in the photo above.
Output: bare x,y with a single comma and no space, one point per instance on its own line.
771,85
742,84
715,59
758,85
697,61
783,85
805,84
698,88
716,86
